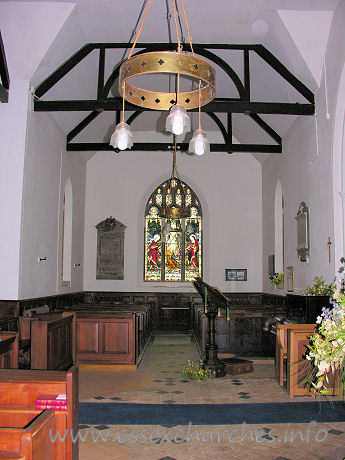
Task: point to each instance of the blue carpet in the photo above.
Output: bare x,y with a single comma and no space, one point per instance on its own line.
210,414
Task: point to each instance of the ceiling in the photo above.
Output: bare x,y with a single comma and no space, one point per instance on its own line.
294,31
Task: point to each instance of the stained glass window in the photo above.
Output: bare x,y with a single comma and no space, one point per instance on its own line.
175,255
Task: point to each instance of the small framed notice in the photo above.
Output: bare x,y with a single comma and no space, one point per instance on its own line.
235,274
289,279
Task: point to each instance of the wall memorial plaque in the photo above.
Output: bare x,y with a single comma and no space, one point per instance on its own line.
110,249
302,219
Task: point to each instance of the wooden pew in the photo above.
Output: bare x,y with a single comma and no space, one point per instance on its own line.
296,370
19,390
96,341
52,341
105,337
25,435
282,346
16,325
9,350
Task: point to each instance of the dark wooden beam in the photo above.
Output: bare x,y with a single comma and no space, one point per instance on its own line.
246,75
101,65
3,94
229,123
220,126
217,105
284,72
273,134
198,49
61,71
173,46
165,147
4,75
80,126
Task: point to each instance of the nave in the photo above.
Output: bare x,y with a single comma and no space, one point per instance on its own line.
158,381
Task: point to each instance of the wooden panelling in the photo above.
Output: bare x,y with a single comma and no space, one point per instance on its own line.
51,342
88,336
9,350
115,336
281,354
297,366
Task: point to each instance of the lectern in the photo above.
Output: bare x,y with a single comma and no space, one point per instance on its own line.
213,300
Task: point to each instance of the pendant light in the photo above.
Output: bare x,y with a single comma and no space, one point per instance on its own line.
122,137
199,143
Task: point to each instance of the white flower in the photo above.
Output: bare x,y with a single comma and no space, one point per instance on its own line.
318,320
323,368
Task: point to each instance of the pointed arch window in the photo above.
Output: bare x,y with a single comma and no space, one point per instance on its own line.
67,211
173,247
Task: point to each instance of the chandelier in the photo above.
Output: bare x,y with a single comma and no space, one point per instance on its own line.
167,62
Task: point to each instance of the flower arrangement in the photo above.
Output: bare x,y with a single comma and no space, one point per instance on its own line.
196,370
277,279
320,287
326,350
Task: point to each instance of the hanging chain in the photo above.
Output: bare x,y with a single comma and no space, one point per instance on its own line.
183,40
134,31
188,34
140,30
168,20
176,15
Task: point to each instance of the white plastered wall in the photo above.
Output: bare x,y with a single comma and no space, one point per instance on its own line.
229,188
47,167
306,172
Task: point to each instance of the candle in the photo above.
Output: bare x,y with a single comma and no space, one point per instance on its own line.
227,314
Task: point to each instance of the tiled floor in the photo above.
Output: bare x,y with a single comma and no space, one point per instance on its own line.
159,380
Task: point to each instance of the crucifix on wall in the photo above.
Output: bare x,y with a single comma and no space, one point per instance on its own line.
329,243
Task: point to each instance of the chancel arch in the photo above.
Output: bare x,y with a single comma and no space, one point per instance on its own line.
173,247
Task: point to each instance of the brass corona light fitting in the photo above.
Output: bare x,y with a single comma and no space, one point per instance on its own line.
171,62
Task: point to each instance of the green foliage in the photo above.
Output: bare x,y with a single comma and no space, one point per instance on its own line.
196,370
320,287
277,279
326,350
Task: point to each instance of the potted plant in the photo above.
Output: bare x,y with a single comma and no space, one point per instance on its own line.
320,288
277,280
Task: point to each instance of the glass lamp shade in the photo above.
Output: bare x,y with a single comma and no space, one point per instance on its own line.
122,137
177,121
199,143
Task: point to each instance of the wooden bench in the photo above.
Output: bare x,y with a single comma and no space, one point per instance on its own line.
52,338
282,346
9,350
16,325
111,334
19,390
25,435
297,368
